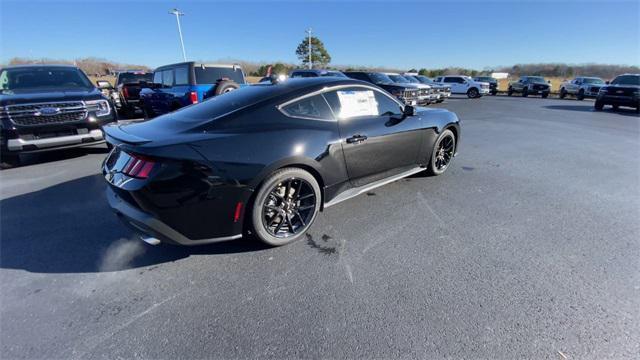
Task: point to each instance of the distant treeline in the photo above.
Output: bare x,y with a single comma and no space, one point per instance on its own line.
96,66
92,66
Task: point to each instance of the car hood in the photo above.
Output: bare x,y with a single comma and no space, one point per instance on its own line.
40,95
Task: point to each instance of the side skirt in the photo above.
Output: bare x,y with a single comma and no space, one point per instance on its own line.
348,194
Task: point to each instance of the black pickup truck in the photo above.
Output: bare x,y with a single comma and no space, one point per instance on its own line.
47,107
127,92
624,90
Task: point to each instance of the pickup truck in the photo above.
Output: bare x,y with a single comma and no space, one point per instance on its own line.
462,84
581,87
178,85
408,95
48,107
624,90
425,96
126,95
493,83
443,91
530,85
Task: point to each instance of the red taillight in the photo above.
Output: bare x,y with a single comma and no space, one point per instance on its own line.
194,97
138,166
125,91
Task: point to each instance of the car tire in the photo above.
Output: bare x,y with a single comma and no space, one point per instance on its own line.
509,91
8,161
598,105
580,95
545,95
442,154
225,86
616,107
473,93
563,93
525,92
285,206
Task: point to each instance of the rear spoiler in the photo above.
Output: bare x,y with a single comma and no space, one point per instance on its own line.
115,134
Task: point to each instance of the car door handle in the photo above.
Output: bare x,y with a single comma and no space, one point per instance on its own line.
356,139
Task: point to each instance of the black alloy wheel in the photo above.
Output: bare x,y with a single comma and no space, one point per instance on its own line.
473,93
285,206
443,152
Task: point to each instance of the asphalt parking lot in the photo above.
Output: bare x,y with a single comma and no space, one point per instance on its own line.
527,247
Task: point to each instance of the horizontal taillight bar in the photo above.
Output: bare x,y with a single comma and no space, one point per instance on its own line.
138,166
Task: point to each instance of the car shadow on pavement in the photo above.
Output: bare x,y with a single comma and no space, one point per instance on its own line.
589,108
69,228
50,156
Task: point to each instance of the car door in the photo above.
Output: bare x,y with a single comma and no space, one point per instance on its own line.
377,140
454,82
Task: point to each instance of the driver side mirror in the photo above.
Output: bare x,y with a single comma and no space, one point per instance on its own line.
549,82
104,85
408,110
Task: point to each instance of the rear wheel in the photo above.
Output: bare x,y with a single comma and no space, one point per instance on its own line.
225,86
473,93
285,206
443,151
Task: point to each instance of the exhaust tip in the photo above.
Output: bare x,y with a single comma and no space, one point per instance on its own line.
150,240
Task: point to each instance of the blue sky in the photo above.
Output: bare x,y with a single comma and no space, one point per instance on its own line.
427,34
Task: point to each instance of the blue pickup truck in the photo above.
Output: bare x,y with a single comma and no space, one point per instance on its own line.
178,85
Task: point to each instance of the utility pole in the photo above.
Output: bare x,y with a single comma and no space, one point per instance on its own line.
177,13
309,48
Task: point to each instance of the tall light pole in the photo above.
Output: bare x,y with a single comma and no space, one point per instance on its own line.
309,47
177,13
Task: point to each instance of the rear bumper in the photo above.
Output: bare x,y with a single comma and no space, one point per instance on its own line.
32,145
148,226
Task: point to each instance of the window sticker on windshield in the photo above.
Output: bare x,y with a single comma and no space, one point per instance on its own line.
357,103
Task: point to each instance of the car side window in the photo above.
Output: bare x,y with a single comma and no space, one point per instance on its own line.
387,106
449,80
167,77
157,77
313,107
182,75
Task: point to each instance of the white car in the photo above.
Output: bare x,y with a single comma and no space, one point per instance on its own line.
462,84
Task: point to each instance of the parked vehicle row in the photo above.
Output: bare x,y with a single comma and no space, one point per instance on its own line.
462,84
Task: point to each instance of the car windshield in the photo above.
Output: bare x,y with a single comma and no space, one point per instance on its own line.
398,79
380,78
210,75
28,78
627,80
424,79
537,79
411,79
593,81
134,77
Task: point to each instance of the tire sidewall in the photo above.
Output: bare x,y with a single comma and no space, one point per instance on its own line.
223,86
432,162
264,190
472,93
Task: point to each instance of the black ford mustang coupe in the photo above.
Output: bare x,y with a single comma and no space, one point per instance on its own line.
265,159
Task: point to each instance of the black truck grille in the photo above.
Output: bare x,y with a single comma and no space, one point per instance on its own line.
540,87
46,113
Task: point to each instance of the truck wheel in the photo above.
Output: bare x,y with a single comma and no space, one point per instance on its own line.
225,86
598,106
545,95
509,91
525,92
580,95
9,160
473,93
616,107
563,93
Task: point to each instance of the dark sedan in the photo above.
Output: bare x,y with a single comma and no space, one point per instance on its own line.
263,160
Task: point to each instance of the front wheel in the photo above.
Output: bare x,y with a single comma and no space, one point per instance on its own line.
9,160
473,93
563,93
510,91
442,154
545,95
525,92
599,105
285,206
580,95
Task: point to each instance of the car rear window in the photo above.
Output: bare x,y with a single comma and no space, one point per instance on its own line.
313,107
210,75
134,78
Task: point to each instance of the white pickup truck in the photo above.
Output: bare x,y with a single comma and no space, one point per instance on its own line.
581,87
462,84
